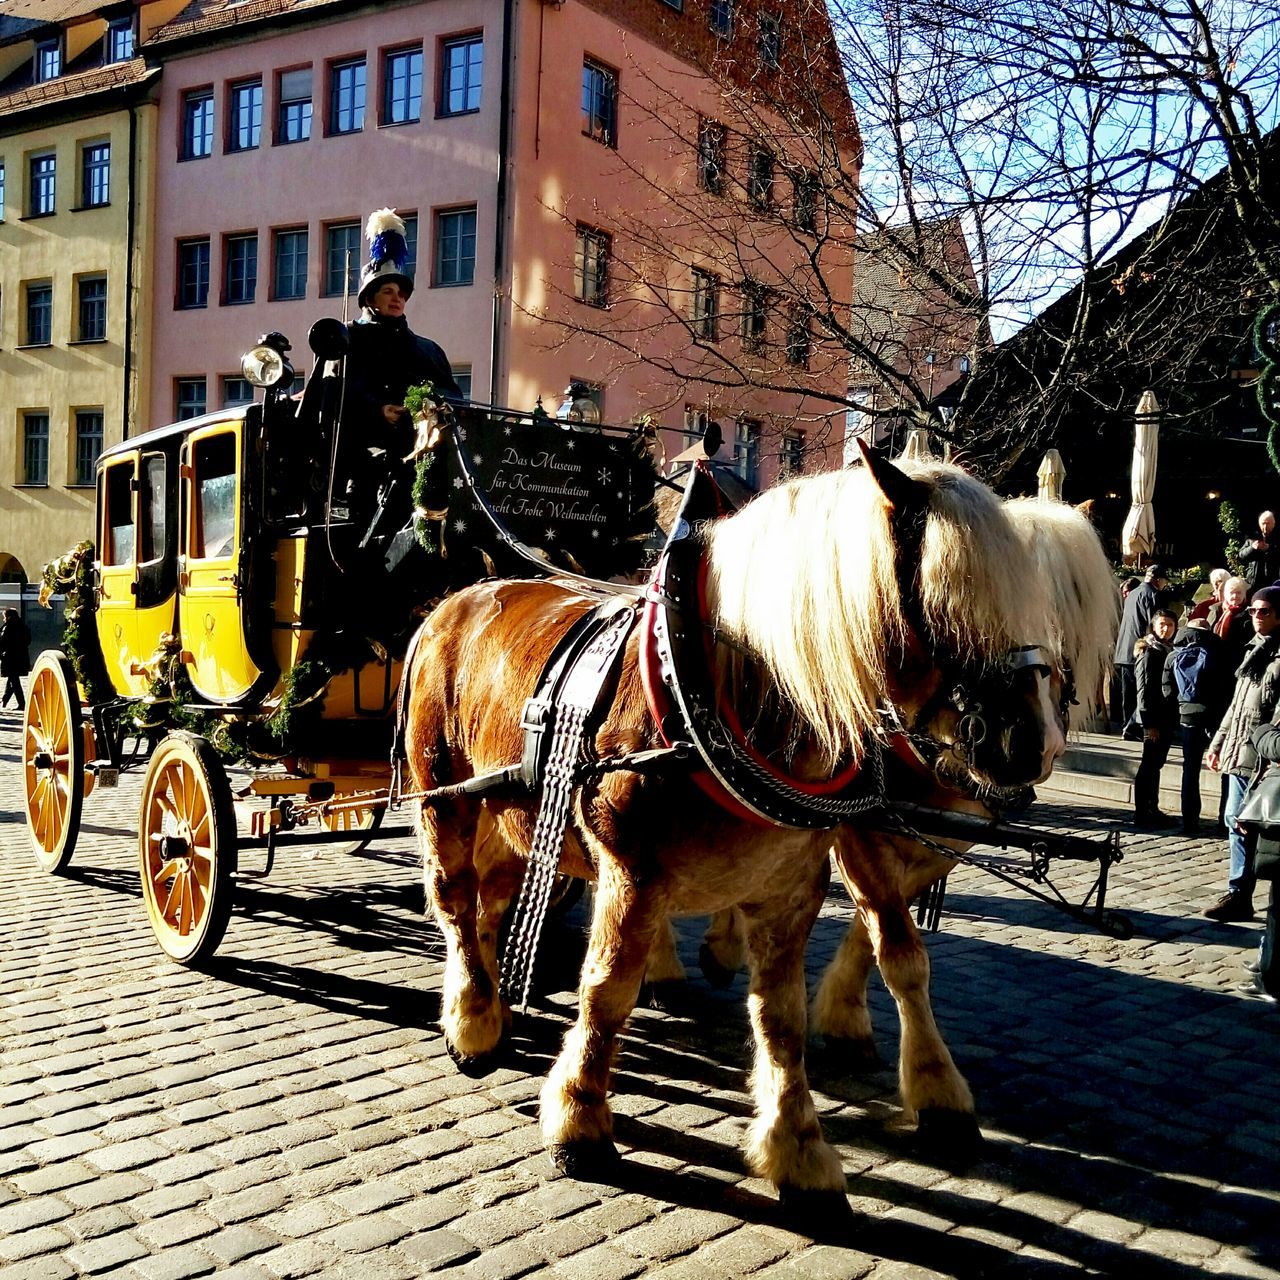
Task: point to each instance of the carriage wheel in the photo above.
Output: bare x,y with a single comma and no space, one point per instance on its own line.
187,847
53,755
362,820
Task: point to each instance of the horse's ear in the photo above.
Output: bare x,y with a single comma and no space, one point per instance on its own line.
901,492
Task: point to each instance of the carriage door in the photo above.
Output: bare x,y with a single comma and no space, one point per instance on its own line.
209,589
117,572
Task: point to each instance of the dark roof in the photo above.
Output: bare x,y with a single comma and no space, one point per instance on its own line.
45,13
118,75
202,16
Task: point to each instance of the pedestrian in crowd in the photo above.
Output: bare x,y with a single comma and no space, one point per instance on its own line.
1156,715
1264,971
1230,619
1261,555
1218,579
1253,702
1198,677
1135,621
15,657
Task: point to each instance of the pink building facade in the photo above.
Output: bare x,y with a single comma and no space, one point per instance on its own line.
267,169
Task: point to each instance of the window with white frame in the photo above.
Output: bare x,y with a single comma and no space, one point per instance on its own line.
48,60
35,448
293,114
346,96
43,186
746,450
705,306
190,398
791,455
95,174
88,444
241,280
600,102
591,265
197,124
92,308
461,75
712,137
120,39
244,122
402,86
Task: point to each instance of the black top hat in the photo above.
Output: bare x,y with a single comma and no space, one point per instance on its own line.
388,255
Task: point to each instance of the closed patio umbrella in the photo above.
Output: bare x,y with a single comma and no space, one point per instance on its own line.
1051,475
1139,537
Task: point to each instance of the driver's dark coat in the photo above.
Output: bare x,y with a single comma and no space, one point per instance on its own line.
384,359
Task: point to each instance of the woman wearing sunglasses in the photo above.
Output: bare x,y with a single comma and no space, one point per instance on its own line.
1254,702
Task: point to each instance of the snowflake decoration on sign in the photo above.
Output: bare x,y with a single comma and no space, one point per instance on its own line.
605,475
477,460
550,535
595,533
459,526
458,482
570,445
621,495
462,433
613,448
506,431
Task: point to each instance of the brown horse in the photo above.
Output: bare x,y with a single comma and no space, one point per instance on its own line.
885,872
834,600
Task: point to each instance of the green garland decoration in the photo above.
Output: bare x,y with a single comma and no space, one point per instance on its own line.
167,704
1233,529
422,401
1266,340
71,575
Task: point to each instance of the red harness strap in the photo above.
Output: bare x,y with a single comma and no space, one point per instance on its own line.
654,673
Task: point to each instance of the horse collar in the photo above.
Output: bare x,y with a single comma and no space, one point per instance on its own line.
677,645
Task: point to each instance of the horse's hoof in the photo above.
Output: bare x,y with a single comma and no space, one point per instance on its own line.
950,1136
851,1055
475,1065
821,1212
714,972
670,996
585,1159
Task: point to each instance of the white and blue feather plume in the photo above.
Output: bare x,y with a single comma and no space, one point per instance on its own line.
385,233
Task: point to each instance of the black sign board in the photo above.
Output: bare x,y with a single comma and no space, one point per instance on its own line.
584,497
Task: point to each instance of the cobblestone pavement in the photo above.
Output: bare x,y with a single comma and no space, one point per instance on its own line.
292,1110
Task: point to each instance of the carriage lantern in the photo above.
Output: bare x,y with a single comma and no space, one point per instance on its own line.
265,365
578,408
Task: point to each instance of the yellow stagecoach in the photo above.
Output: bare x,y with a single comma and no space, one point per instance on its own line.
236,605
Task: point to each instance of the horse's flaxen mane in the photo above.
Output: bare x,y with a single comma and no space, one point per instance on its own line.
804,577
1070,559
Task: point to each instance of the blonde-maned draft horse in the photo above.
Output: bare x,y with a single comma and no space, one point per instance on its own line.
839,608
884,872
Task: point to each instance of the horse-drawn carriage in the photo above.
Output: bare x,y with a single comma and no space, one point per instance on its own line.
866,664
235,606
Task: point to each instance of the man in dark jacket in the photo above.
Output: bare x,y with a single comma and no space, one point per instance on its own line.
1261,555
15,656
1135,622
1157,714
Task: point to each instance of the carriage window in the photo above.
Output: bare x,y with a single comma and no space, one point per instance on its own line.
117,519
151,509
213,524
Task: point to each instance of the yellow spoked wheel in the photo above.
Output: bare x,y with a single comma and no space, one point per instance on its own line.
187,847
53,743
362,823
